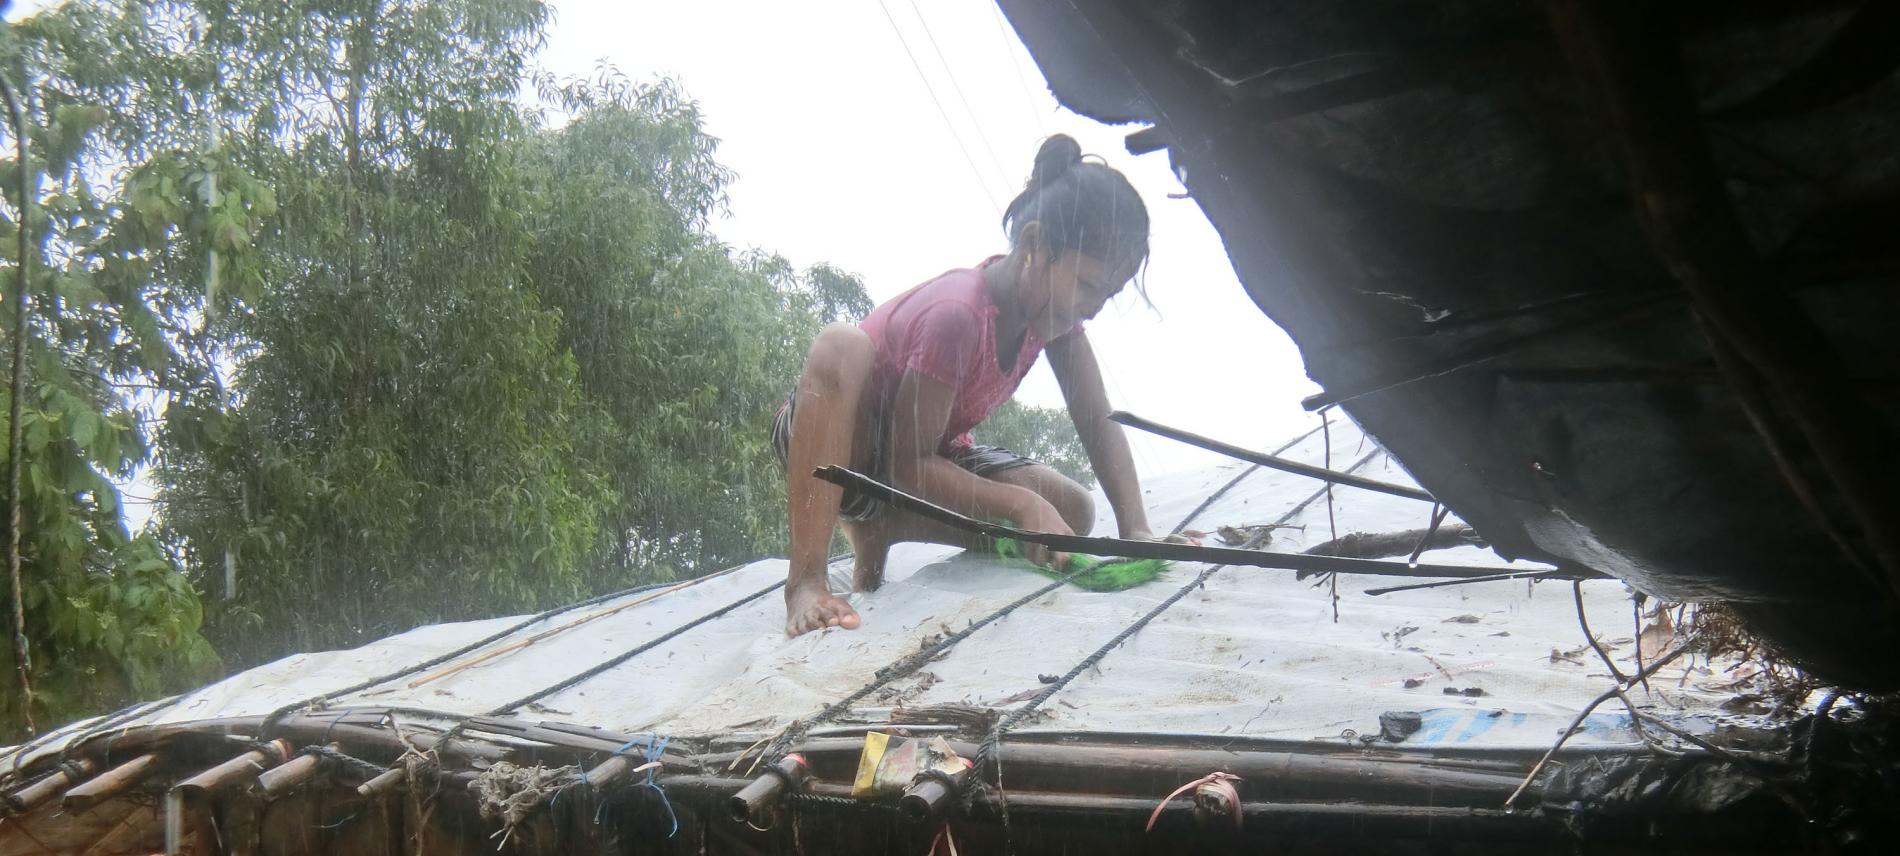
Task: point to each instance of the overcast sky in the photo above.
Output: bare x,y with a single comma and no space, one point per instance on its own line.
843,156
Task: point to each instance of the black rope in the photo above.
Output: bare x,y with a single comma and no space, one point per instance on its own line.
1216,495
366,769
642,648
828,801
104,723
271,720
910,663
907,665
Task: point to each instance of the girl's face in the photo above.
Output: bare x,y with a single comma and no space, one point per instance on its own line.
1069,289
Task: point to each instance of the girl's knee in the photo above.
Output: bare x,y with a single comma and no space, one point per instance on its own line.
842,342
841,355
1071,500
1075,504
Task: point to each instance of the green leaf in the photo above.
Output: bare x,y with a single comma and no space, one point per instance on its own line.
85,427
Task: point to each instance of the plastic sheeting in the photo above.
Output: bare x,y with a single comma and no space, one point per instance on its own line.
1254,653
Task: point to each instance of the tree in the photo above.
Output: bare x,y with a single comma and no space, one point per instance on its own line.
404,439
133,244
497,367
393,348
1043,433
685,347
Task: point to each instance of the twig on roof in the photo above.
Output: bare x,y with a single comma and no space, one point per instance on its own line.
1583,714
1332,523
1385,545
1513,575
1439,510
1583,621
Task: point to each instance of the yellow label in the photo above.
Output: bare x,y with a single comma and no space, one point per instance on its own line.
875,743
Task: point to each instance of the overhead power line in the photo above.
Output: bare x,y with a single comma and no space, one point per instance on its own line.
975,171
1009,47
975,120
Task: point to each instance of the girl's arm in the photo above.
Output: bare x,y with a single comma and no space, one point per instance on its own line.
1080,377
920,414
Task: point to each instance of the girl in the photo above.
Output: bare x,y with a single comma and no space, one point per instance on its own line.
896,396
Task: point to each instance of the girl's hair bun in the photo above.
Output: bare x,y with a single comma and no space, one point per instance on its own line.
1058,155
1082,205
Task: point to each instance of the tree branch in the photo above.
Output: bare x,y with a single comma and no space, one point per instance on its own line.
16,436
1385,545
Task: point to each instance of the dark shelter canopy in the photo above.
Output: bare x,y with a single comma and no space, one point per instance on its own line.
1614,280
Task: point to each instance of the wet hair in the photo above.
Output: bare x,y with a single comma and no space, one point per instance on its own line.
1083,205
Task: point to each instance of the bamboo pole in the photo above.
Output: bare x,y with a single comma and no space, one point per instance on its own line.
292,773
32,796
110,783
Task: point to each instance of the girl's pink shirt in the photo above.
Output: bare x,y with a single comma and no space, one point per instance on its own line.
945,330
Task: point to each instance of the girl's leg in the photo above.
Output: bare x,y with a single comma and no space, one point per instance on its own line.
825,426
1072,501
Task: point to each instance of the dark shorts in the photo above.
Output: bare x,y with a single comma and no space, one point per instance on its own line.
985,461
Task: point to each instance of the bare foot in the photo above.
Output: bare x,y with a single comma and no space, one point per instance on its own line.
815,609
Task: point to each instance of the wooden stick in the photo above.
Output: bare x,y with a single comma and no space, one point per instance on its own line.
1439,511
242,768
1583,621
1149,549
1385,545
1270,461
609,772
388,780
110,783
1514,575
32,796
292,773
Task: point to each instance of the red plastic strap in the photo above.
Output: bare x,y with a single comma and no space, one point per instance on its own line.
1222,782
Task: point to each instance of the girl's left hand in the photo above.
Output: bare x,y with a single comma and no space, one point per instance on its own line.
1176,538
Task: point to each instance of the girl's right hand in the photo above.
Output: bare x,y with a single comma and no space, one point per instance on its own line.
1043,517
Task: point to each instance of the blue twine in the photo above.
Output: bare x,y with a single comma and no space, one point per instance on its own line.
332,727
651,748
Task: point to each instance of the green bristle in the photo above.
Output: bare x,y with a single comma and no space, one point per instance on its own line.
1099,575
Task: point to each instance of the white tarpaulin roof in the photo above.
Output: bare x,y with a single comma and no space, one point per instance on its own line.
1253,653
